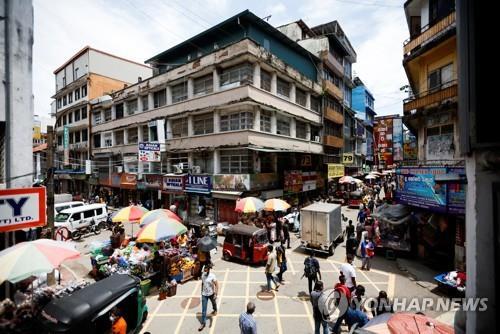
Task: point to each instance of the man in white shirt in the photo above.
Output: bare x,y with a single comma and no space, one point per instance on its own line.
209,289
347,269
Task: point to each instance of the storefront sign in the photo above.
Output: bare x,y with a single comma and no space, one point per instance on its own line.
232,182
306,161
173,183
66,144
264,181
22,208
410,151
293,181
348,158
397,139
152,181
149,152
457,191
417,187
198,184
383,140
128,181
335,170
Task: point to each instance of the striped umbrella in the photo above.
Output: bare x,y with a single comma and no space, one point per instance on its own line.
132,213
33,258
162,228
155,214
249,205
276,204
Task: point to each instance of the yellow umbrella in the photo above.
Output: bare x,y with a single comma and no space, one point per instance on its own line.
276,204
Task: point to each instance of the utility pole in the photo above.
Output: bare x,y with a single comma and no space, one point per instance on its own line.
51,280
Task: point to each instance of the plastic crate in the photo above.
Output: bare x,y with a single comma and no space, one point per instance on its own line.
178,278
172,291
145,287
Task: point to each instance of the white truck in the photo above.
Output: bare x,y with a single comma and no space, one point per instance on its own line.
321,227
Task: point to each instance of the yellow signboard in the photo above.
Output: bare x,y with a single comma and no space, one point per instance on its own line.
348,158
335,170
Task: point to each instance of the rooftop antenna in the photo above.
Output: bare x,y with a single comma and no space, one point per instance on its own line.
267,18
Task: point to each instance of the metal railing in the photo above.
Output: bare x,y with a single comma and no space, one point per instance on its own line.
436,94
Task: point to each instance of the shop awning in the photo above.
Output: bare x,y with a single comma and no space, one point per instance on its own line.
263,149
275,193
231,195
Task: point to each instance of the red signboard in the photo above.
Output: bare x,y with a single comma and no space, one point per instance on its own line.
383,141
22,208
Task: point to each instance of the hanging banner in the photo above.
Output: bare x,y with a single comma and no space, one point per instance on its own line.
149,152
66,145
335,170
397,139
22,208
198,184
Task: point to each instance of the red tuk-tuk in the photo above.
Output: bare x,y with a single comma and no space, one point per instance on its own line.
355,199
247,243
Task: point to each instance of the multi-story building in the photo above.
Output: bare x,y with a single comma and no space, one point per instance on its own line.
234,110
88,74
363,104
329,43
430,113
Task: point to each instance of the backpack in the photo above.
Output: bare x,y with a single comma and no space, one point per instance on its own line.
310,269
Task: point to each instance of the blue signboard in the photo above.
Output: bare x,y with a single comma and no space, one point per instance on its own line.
198,184
417,187
456,191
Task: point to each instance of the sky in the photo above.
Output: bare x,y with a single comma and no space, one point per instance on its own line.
140,29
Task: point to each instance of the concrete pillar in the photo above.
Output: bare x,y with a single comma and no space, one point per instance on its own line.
169,95
274,126
216,162
190,159
256,75
125,108
216,121
274,83
216,79
139,103
190,88
168,135
151,101
292,93
256,119
140,166
113,113
140,133
190,126
308,131
308,100
125,136
293,129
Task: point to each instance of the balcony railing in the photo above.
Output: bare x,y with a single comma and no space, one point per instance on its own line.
443,92
333,141
429,32
332,89
334,116
333,63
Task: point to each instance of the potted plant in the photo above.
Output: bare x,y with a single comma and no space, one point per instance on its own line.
163,290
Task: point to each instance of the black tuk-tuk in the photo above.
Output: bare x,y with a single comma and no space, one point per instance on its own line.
88,310
199,225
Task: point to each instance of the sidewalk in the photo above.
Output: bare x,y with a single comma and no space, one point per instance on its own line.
418,272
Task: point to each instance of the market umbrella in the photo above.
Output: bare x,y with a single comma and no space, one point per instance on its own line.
32,258
370,177
162,228
132,213
376,173
249,205
349,179
155,214
276,204
404,323
206,244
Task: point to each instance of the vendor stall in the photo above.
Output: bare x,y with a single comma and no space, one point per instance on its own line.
393,227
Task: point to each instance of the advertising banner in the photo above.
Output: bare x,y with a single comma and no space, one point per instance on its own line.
198,184
264,181
397,139
456,192
66,145
383,141
232,182
153,181
128,181
417,187
22,208
173,183
410,151
149,152
335,170
293,181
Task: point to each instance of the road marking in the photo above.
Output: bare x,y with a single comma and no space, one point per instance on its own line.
391,285
234,315
219,301
292,267
247,291
186,308
151,316
369,280
308,313
278,315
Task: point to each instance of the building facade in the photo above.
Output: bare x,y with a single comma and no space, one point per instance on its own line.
239,115
90,73
363,104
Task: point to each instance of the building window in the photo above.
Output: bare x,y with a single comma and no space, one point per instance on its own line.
131,107
205,160
70,117
266,162
145,133
315,134
97,118
234,162
77,136
132,135
265,120
237,75
59,103
265,80
119,137
77,115
203,124
131,167
236,121
145,101
440,78
108,139
300,97
153,133
71,138
175,159
315,103
283,125
333,104
107,115
180,127
97,140
59,140
179,92
203,85
64,120
65,100
85,135
70,97
119,111
84,90
77,94
300,129
283,88
160,98
84,112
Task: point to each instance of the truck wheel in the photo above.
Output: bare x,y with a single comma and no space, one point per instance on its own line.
226,256
331,250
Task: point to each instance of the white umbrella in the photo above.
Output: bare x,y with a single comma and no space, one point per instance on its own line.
370,177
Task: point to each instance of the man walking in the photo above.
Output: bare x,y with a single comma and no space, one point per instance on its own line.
348,271
320,319
270,266
281,259
286,233
311,270
247,321
209,289
367,252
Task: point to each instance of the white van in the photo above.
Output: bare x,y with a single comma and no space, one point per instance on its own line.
66,205
81,216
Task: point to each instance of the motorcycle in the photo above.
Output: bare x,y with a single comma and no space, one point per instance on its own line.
92,228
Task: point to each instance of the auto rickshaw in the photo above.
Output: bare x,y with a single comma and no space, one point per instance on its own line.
87,310
197,225
355,199
247,243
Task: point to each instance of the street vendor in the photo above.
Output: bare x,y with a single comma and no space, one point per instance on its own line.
182,240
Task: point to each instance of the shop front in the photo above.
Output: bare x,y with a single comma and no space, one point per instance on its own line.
150,190
301,187
200,204
335,172
173,193
128,188
71,181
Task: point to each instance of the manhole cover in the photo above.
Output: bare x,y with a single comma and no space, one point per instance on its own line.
265,295
195,301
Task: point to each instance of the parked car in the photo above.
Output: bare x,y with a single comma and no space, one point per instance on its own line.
247,243
66,205
79,219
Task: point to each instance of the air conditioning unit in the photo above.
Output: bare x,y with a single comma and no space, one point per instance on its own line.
176,169
316,139
184,166
196,170
119,169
